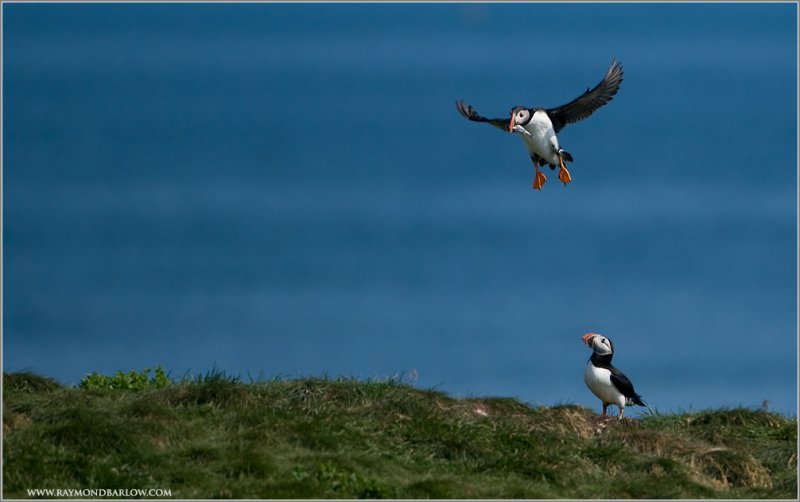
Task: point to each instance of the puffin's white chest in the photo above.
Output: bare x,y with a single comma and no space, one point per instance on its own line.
599,382
542,140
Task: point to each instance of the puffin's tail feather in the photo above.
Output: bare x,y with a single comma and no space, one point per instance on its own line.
637,400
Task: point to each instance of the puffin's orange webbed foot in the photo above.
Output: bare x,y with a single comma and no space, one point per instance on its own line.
539,180
563,174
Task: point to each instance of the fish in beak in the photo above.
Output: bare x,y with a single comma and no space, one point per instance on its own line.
518,128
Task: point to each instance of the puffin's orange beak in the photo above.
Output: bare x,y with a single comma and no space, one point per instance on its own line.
587,337
511,124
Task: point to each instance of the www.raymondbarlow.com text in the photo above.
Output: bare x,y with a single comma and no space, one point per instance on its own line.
99,492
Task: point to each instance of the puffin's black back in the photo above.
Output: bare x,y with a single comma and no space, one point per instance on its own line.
618,378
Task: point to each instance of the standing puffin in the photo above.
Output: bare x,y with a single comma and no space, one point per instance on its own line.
538,126
605,381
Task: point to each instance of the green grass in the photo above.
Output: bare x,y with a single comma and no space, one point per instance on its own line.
217,437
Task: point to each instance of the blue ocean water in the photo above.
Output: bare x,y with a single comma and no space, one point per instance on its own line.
277,189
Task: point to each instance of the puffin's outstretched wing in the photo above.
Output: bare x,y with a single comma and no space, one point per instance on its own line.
469,113
625,386
585,104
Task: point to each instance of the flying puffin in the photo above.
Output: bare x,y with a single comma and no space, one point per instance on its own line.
539,126
605,381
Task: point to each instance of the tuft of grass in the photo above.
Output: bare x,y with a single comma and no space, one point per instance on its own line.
29,382
214,436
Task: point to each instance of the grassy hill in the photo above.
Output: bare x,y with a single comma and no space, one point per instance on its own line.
324,438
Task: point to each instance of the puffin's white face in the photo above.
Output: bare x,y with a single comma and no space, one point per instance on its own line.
598,343
519,116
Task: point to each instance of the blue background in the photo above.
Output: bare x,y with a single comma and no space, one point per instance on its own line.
278,189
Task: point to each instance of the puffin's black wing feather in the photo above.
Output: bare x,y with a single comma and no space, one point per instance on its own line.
625,386
469,113
585,104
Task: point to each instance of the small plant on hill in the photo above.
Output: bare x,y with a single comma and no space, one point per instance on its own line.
132,380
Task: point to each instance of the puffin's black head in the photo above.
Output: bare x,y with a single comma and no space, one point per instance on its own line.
598,343
519,116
